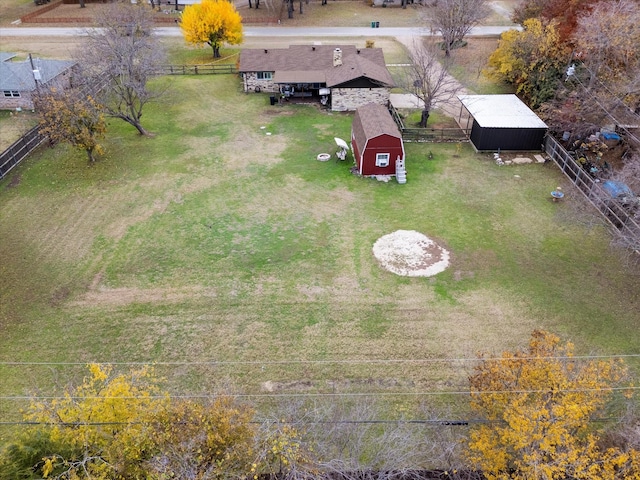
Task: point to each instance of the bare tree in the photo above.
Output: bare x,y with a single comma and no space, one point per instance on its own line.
453,19
366,439
428,78
123,49
607,37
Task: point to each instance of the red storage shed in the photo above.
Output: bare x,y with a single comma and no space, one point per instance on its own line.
376,141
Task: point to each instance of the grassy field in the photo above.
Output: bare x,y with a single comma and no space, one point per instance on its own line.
235,261
244,264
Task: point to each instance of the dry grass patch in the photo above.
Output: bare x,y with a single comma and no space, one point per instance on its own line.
101,297
13,125
352,14
249,148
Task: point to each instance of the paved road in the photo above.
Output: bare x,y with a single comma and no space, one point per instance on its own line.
275,31
403,34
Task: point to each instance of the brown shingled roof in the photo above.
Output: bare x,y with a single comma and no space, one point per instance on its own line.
356,63
373,120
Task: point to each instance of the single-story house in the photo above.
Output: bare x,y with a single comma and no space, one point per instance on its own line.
501,122
376,142
342,76
19,80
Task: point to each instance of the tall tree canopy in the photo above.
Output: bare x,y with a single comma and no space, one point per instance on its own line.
97,429
123,55
116,426
564,13
533,60
608,39
212,22
537,405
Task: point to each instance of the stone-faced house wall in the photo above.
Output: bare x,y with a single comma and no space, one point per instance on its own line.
349,99
24,101
251,82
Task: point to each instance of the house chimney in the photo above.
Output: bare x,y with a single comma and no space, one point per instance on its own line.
337,57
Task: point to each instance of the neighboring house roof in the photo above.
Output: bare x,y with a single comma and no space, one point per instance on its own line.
314,64
501,111
19,75
4,56
373,120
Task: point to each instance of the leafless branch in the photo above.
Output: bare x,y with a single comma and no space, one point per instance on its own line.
454,19
428,78
124,49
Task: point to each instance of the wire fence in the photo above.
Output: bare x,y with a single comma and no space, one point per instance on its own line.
31,140
433,135
19,150
616,214
206,69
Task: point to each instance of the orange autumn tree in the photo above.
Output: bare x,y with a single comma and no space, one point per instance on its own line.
531,59
212,22
68,116
536,407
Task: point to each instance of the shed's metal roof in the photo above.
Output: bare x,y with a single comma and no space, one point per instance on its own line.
501,111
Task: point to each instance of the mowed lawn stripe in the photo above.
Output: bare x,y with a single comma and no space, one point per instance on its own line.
212,241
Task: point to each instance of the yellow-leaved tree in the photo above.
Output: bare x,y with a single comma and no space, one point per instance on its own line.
211,439
117,426
536,408
532,59
212,22
99,429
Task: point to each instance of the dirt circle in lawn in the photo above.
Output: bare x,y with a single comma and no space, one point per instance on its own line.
410,254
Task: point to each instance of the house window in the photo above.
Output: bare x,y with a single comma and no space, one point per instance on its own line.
382,160
11,93
264,75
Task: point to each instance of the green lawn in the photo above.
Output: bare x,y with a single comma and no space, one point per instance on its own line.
216,242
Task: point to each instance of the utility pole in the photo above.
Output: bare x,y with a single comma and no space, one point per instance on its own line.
36,73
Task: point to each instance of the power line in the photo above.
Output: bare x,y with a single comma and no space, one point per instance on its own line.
326,362
306,422
444,422
613,95
604,109
319,395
